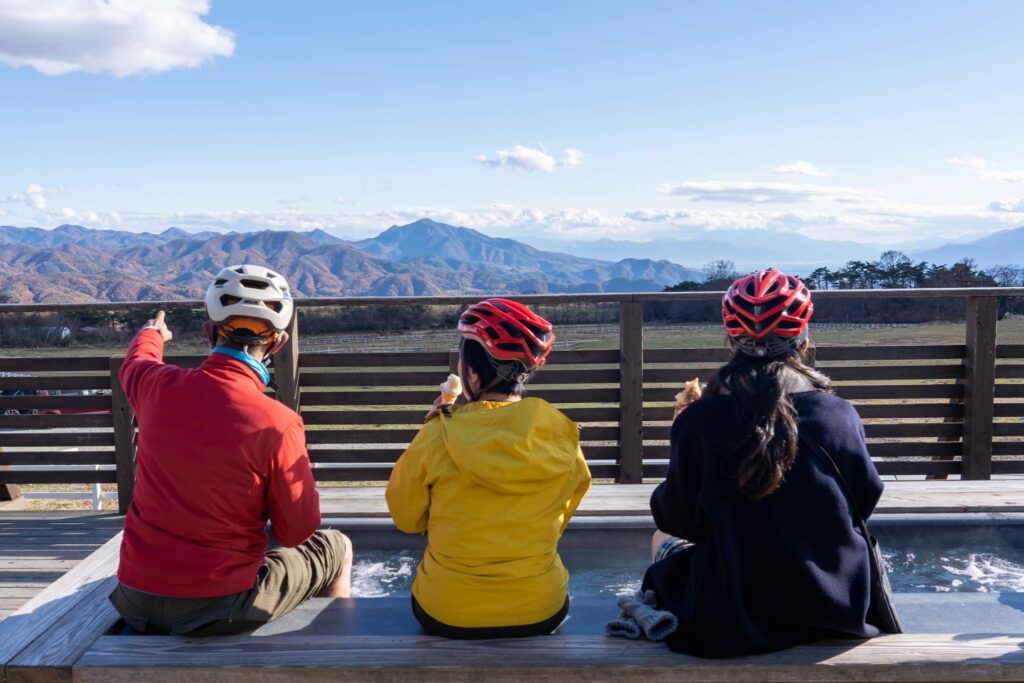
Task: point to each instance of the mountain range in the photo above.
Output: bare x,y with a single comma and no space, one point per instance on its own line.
72,263
75,264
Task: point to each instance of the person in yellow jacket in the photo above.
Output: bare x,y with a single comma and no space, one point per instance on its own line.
493,483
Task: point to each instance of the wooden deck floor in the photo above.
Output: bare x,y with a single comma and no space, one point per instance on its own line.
37,548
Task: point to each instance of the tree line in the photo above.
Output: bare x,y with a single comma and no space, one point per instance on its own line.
892,270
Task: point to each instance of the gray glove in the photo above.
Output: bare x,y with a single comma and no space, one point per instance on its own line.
640,613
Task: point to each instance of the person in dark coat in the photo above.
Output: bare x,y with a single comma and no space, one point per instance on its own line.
772,556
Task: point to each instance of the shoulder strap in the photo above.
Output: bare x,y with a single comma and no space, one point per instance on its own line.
820,451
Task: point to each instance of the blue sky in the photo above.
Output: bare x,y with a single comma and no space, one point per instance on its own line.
873,121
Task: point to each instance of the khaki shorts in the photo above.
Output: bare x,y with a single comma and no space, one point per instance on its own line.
287,578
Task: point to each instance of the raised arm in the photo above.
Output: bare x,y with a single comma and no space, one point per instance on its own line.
145,358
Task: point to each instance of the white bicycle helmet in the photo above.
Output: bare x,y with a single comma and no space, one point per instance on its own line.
250,291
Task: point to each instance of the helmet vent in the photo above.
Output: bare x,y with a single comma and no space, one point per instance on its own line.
255,284
220,281
227,299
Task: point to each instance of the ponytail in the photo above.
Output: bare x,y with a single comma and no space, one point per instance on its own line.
767,417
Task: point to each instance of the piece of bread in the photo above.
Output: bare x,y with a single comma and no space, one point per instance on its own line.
692,390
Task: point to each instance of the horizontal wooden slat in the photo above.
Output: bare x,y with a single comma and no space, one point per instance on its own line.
851,392
918,467
56,438
889,467
882,431
718,356
1008,448
889,391
55,364
1008,429
390,455
1009,390
583,357
398,416
58,477
370,379
1009,371
431,379
368,398
56,421
870,411
357,436
847,373
822,353
947,430
841,373
55,402
381,473
663,412
894,449
371,436
351,455
1008,467
1009,351
437,359
363,417
1009,410
890,352
911,449
425,398
9,457
68,382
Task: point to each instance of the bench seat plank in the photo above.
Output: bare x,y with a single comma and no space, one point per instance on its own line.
51,608
557,658
937,496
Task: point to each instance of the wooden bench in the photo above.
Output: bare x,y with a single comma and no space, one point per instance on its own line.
69,633
1001,495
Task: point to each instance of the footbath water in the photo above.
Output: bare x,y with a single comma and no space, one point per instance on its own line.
928,559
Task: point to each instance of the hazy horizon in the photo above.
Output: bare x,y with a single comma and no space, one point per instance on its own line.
872,123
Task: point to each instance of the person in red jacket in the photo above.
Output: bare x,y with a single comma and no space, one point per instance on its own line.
216,459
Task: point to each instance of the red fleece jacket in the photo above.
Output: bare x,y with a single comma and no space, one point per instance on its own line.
216,458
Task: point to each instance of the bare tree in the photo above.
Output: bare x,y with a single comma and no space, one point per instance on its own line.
720,270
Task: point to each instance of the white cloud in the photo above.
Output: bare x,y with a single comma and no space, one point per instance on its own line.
800,168
1008,206
532,159
121,37
984,170
763,193
34,196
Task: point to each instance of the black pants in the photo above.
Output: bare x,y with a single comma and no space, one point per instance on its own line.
435,628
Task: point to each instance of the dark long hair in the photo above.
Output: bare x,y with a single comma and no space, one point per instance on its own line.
475,356
767,418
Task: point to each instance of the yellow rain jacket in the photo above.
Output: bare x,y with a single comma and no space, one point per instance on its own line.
494,486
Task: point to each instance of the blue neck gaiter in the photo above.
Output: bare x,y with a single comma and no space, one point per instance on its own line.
258,367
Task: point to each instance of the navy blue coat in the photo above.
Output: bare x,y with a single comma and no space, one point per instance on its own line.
766,575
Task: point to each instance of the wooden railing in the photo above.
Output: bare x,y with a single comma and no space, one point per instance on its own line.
930,410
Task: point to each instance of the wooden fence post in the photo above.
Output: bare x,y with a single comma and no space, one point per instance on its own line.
124,437
286,367
979,387
631,392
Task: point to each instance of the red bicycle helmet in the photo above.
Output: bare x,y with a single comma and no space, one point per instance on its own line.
508,331
766,313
